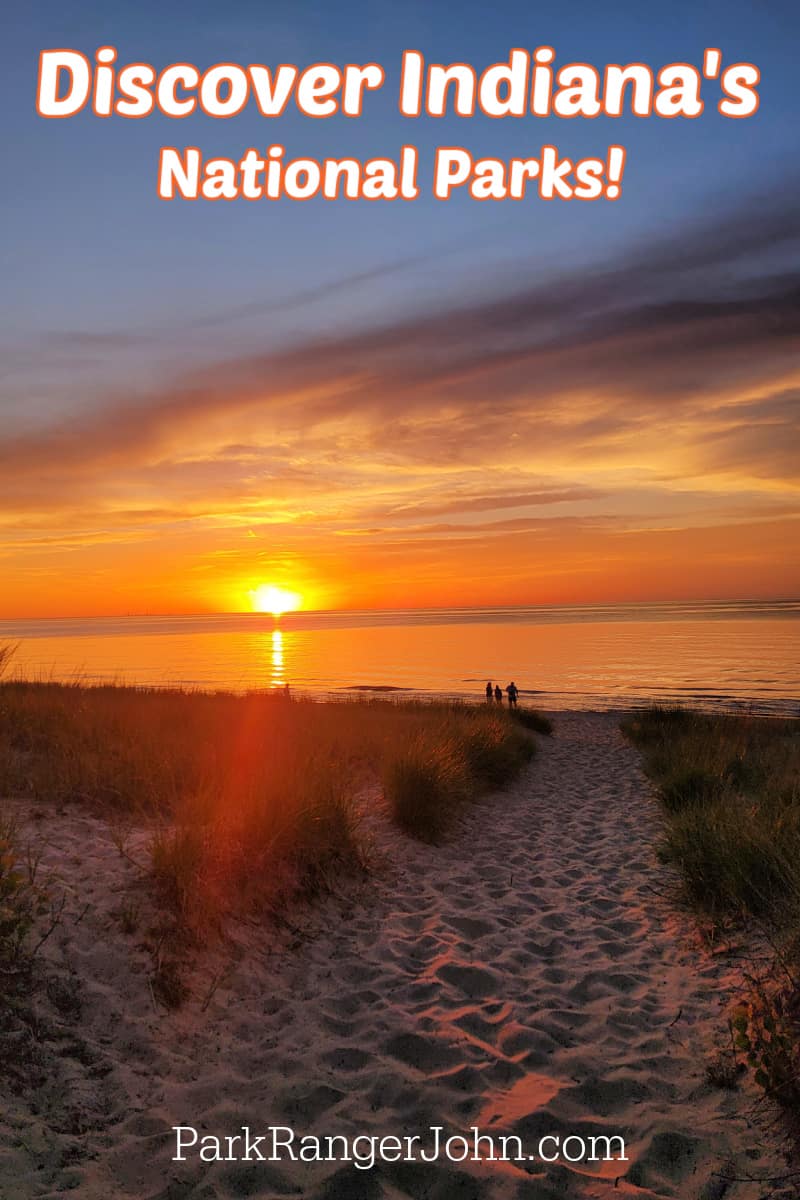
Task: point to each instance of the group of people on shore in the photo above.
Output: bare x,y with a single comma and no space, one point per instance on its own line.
494,693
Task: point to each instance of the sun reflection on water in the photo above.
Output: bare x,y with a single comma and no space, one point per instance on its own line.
277,678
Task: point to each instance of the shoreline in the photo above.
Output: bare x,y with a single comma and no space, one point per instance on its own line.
544,701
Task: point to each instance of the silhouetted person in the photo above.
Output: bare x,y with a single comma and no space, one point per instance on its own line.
489,692
513,692
498,695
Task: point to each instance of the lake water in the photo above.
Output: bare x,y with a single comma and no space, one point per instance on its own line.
607,656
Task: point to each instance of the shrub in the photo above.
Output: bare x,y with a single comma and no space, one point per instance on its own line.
767,1032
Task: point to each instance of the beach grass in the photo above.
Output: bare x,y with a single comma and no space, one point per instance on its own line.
730,787
530,718
250,800
465,751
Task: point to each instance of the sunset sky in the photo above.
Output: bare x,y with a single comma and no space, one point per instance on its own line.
398,404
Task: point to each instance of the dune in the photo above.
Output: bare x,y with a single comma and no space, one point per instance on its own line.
532,976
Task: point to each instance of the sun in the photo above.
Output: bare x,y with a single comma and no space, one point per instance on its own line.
267,598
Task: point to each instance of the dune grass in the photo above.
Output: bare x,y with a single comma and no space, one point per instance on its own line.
730,786
466,751
249,798
529,718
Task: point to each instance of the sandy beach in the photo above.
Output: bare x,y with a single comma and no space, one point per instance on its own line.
533,975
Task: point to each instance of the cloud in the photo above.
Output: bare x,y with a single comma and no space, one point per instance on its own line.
466,502
760,437
678,356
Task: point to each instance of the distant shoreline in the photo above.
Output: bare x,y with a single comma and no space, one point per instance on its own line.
548,702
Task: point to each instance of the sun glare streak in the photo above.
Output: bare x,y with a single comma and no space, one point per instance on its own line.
270,599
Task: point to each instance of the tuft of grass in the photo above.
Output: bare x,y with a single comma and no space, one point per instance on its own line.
168,984
495,749
6,654
686,788
470,751
426,784
529,718
730,785
128,916
731,788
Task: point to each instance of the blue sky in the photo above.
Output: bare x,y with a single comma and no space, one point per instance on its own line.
90,247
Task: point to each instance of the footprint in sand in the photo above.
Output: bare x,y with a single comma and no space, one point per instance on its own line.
524,976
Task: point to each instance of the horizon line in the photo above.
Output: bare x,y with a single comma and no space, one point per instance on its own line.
567,605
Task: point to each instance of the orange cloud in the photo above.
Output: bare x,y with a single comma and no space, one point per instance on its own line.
623,434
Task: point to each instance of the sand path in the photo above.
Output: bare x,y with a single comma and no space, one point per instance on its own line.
530,977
